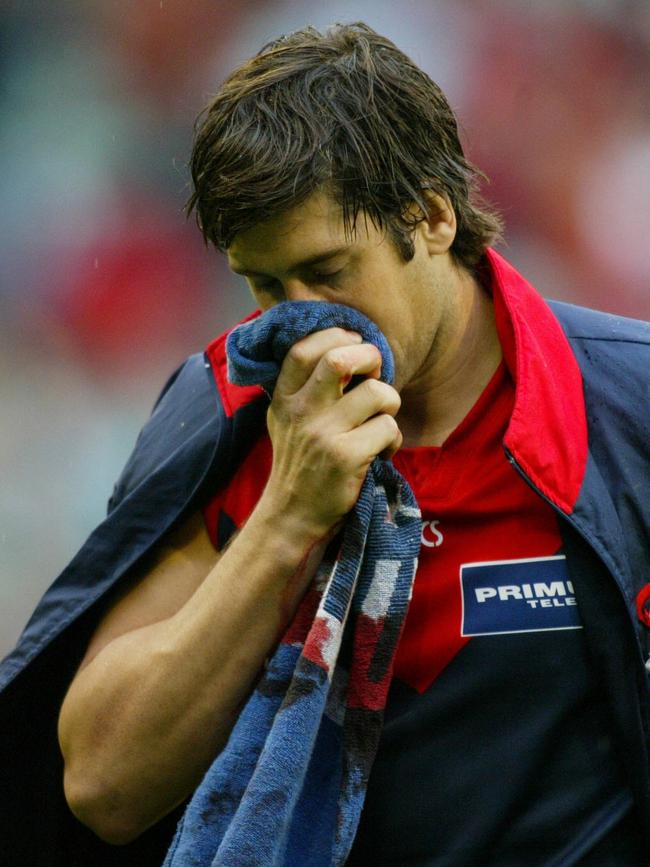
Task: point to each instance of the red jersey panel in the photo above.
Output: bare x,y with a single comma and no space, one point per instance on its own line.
475,508
236,501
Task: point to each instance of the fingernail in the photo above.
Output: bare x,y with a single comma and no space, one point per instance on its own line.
355,335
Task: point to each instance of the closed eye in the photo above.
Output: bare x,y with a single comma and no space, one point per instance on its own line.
318,276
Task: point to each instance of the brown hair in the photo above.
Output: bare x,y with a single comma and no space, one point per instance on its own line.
343,109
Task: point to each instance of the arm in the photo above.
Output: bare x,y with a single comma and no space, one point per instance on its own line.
175,657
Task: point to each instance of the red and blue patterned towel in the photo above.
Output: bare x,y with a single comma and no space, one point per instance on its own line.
289,786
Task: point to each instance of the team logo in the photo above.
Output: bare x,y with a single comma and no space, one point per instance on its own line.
431,536
530,595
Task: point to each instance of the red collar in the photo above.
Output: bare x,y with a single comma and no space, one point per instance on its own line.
547,434
232,396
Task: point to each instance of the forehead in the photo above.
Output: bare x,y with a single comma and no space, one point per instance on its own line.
316,223
303,234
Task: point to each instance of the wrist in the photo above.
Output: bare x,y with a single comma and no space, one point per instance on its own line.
295,546
291,530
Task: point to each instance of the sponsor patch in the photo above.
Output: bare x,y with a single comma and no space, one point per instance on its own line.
505,596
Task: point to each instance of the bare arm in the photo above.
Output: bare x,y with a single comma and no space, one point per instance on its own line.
173,660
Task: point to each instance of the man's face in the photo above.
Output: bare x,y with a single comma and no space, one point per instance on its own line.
303,254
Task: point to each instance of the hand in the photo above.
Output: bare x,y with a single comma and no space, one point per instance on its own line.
324,438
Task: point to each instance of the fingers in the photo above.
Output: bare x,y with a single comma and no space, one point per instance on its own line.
332,356
394,447
324,363
368,398
379,435
324,437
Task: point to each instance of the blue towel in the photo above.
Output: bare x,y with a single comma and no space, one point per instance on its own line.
289,786
257,348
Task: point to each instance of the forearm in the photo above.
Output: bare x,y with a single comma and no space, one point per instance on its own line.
143,720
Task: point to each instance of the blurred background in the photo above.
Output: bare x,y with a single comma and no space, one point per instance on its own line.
104,285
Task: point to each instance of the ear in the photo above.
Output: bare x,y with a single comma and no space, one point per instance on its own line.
438,229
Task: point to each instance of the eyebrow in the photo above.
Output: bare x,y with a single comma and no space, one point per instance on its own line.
323,256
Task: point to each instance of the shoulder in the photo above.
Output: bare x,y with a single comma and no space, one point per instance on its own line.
582,323
197,405
186,410
613,351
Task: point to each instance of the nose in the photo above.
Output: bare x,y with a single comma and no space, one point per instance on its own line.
296,290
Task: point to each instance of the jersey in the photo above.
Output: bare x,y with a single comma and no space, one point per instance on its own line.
496,746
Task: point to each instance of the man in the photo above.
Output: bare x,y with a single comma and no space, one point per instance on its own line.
329,168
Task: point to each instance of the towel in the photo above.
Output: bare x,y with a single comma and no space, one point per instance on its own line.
288,788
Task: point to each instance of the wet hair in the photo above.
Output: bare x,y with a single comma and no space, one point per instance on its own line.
343,110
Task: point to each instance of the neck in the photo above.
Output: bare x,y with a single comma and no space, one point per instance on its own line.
463,358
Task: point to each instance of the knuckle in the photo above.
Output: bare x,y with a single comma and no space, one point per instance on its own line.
390,424
299,354
375,389
336,362
395,401
382,396
394,426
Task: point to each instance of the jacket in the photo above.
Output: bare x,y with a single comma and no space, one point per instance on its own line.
578,435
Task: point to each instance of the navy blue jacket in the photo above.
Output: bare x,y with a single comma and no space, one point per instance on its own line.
579,435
